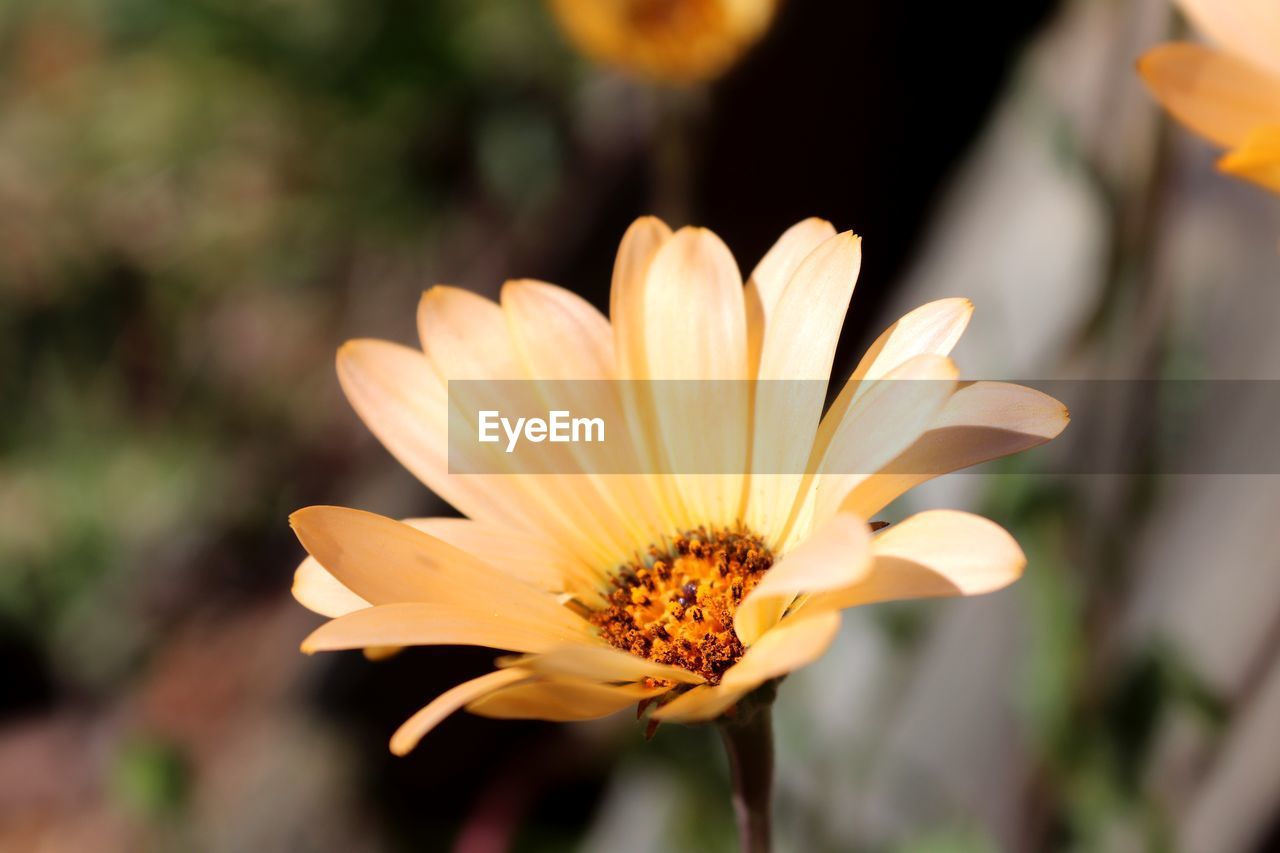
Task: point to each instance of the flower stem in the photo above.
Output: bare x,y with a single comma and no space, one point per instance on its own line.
749,743
678,127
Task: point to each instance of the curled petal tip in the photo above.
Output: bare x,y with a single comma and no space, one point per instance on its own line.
346,350
302,516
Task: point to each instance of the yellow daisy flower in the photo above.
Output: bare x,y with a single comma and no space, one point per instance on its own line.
1231,95
683,591
670,41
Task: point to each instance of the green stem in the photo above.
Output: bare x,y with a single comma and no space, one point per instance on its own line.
749,743
678,120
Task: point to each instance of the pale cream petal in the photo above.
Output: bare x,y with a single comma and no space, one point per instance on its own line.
693,284
933,328
770,277
694,325
557,333
883,421
1215,94
626,299
836,555
980,422
522,555
796,641
599,663
562,700
431,624
568,346
526,556
700,704
1248,28
318,591
1257,160
884,418
932,554
417,726
799,348
388,562
626,310
467,337
402,401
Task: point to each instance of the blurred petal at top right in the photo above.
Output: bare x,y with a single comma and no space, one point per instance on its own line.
1229,92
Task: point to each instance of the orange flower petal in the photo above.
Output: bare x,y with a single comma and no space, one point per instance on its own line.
886,418
932,554
402,401
1220,97
694,326
562,700
1257,160
318,591
795,364
626,298
417,726
700,705
388,562
837,555
432,624
771,275
562,337
980,422
599,663
796,641
932,329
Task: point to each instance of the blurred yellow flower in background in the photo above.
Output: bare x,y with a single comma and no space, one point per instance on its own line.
686,591
670,41
1229,94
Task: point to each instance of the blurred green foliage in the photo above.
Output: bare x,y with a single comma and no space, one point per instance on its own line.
191,196
151,778
1092,707
960,840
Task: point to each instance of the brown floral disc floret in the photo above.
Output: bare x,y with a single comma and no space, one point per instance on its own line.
677,607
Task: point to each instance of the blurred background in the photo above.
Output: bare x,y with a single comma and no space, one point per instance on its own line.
199,201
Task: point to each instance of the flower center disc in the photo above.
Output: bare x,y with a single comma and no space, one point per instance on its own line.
677,608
